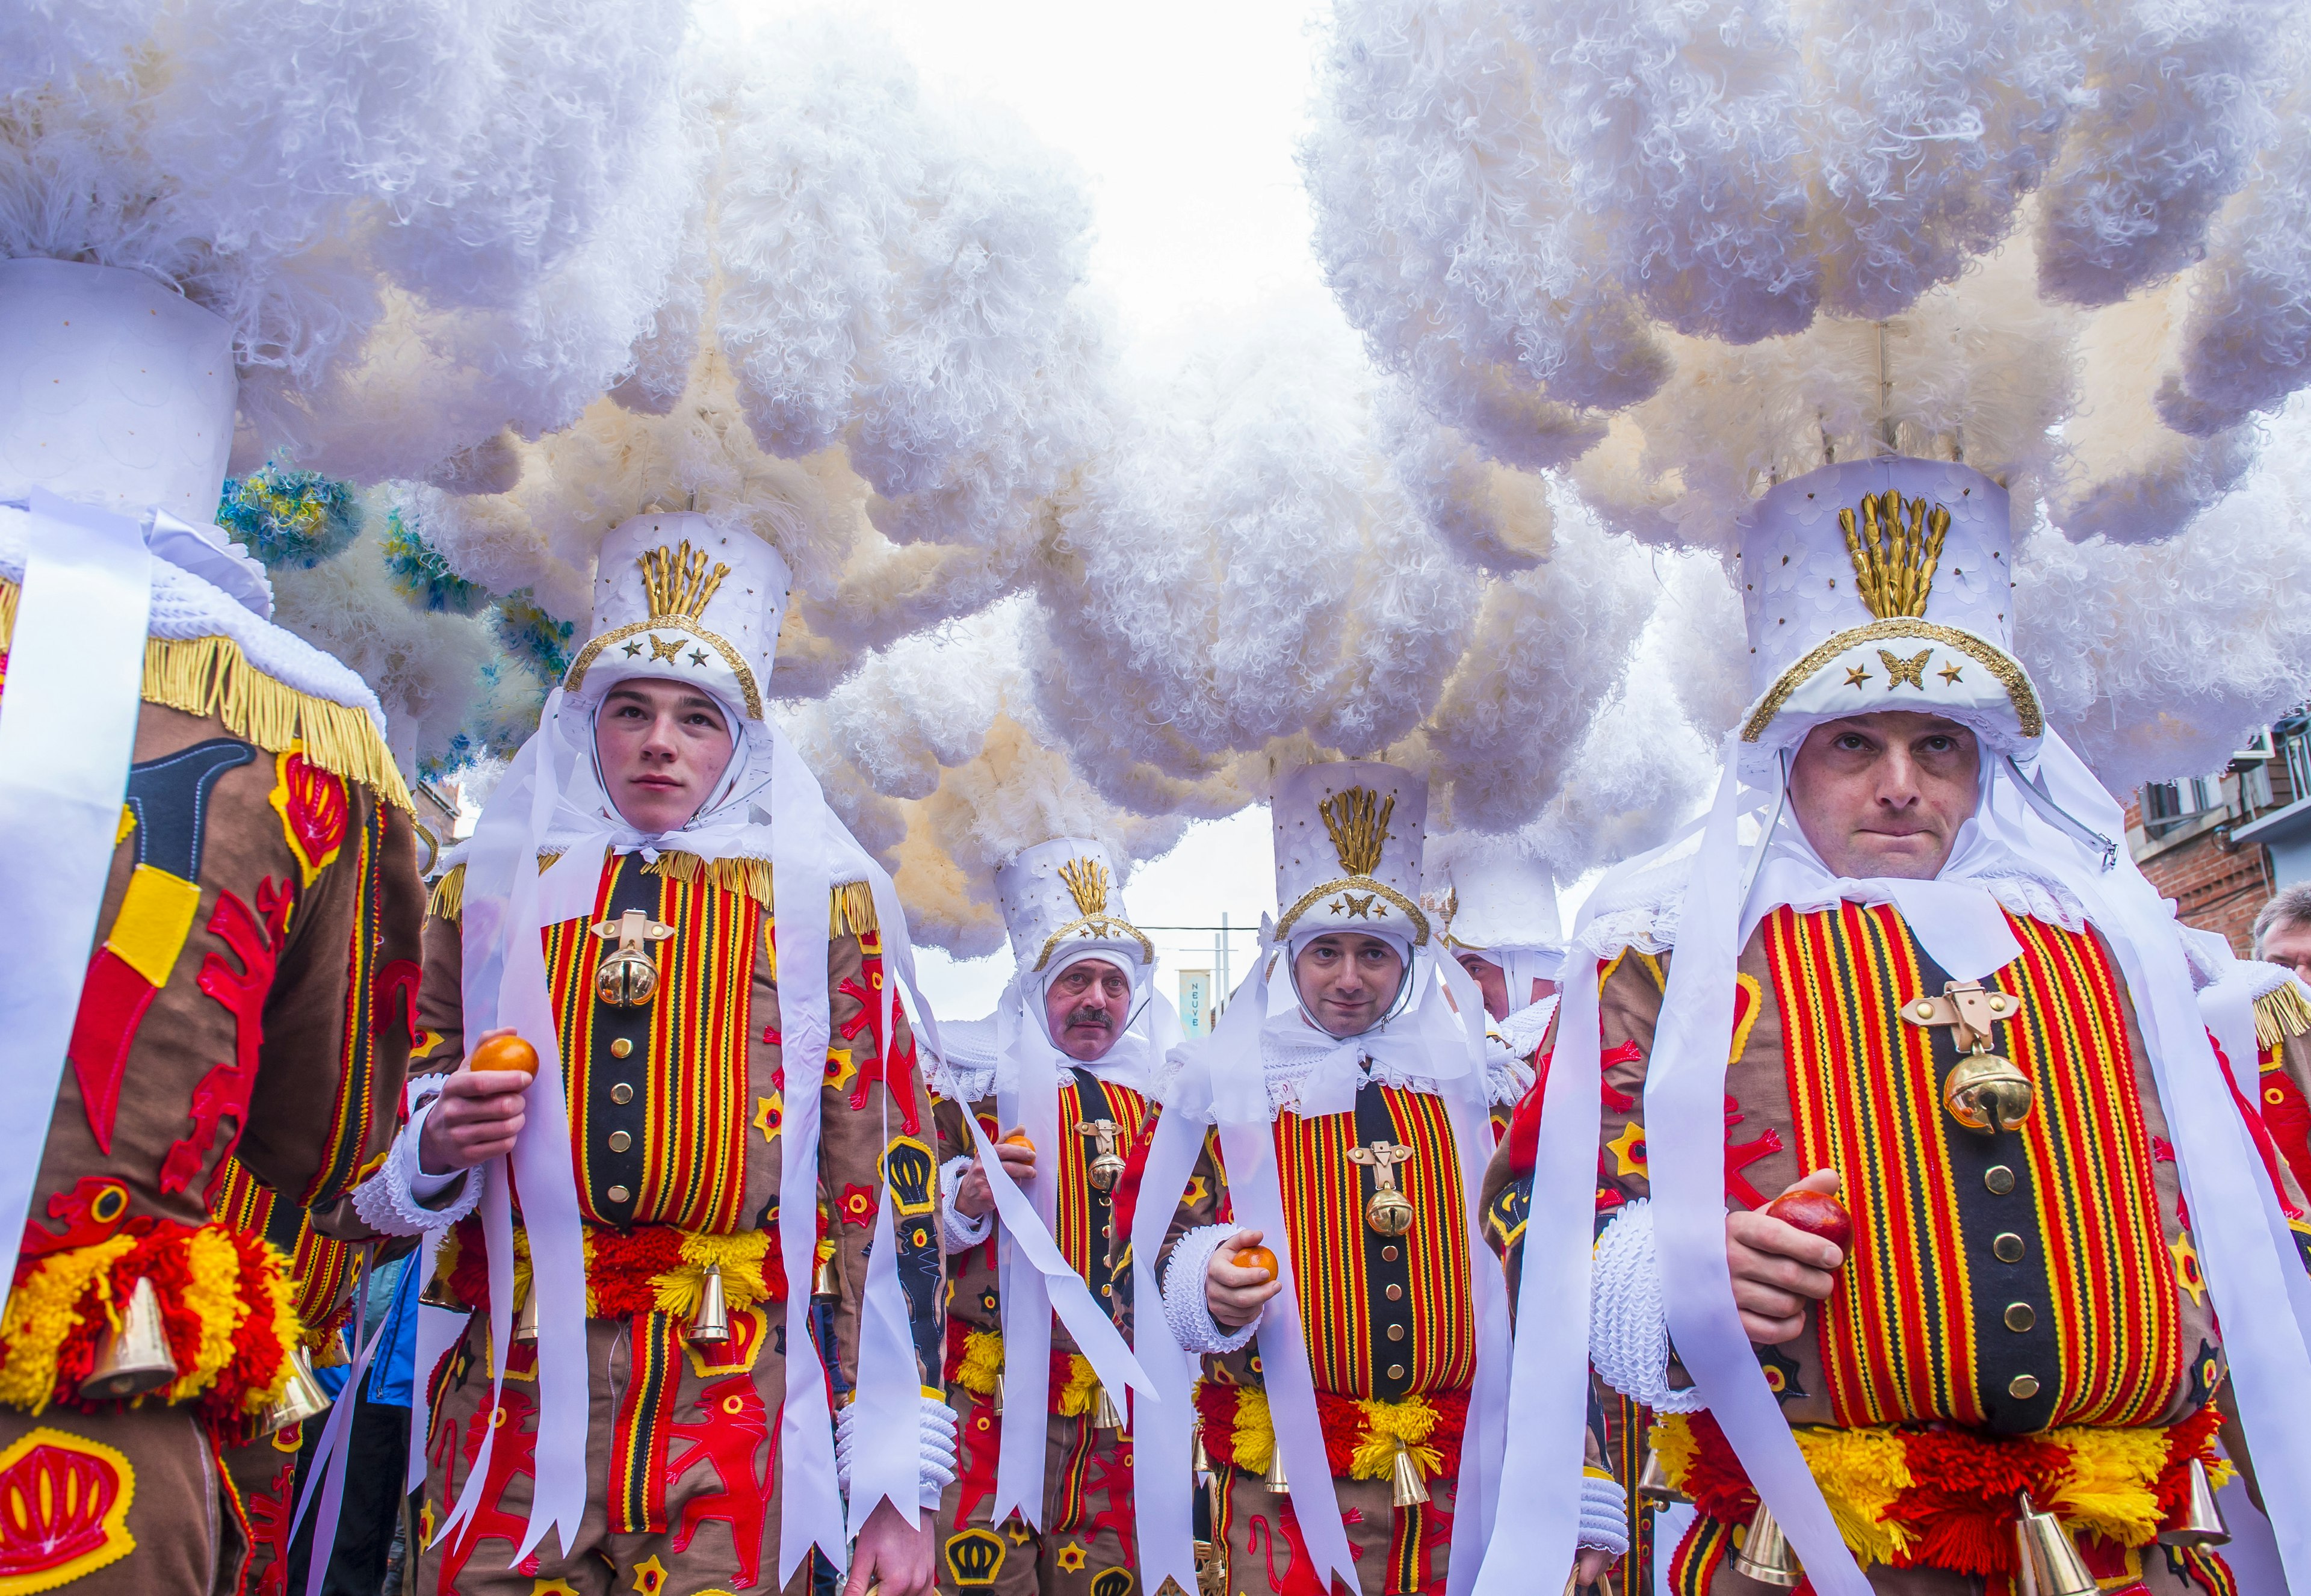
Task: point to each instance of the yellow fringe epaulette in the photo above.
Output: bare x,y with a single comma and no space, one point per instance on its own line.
2280,1013
851,912
209,676
449,898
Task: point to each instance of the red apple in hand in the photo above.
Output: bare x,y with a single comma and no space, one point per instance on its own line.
1818,1213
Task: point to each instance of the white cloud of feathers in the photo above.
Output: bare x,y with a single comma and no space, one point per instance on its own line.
1655,240
425,222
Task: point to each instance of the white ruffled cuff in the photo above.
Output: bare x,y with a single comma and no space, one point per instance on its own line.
958,1233
936,1446
1184,1308
1604,1514
1507,1077
938,1452
398,1199
1629,1316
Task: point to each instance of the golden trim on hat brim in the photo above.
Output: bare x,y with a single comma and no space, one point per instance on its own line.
576,679
2001,666
1095,927
1363,887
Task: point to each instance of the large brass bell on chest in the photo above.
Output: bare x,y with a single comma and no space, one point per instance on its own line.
1386,1210
1106,1166
134,1357
627,977
1985,1093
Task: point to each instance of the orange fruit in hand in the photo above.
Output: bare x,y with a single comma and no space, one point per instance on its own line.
1019,1138
504,1052
1258,1257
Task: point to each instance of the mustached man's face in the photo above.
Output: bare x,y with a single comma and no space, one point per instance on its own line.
1086,1005
1884,794
1347,979
663,747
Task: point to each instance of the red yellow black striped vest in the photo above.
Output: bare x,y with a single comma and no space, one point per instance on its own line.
1385,1317
2014,1282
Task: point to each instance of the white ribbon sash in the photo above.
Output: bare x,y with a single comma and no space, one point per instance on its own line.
68,733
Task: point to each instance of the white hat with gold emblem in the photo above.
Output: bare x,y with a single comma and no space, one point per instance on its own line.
679,598
1884,584
1061,904
1349,837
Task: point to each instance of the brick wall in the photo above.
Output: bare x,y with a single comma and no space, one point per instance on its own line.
2216,886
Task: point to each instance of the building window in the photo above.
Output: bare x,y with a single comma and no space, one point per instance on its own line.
2167,805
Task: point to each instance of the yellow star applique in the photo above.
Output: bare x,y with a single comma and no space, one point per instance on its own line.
1629,1150
840,1069
1857,675
650,1577
1950,673
1899,670
425,1523
2186,1269
1018,1532
1072,1558
662,649
771,1115
1196,1192
552,1587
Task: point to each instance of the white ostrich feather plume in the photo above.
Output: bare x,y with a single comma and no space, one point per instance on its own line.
1688,249
425,222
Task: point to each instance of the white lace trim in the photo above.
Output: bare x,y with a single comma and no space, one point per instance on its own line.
1523,1031
187,607
1628,1317
1184,1308
965,1071
387,1201
959,1232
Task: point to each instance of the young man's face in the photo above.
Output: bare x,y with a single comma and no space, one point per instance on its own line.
1347,979
1884,794
1086,1007
1491,980
663,747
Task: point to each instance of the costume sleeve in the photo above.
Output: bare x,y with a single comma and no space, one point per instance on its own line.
874,1110
1201,1220
958,1153
1628,1011
2283,1077
340,1014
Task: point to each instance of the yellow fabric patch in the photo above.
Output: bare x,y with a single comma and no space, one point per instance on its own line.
156,916
52,1483
127,828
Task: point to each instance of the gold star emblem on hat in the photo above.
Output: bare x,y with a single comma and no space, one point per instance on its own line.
698,658
1949,673
1857,675
633,648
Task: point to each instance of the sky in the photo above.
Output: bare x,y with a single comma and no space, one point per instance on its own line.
1183,121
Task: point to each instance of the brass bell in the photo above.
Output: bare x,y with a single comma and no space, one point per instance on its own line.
134,1357
710,1325
2198,1521
824,1280
1766,1554
1104,1415
1386,1210
302,1397
1410,1488
436,1292
525,1319
1654,1482
1278,1486
2051,1564
1987,1093
627,976
1106,1166
999,1394
1203,1458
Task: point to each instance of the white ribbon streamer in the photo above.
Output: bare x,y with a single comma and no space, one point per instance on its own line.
68,734
1548,1393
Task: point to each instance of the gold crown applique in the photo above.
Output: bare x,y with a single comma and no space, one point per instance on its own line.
1357,819
677,582
1088,881
1894,559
